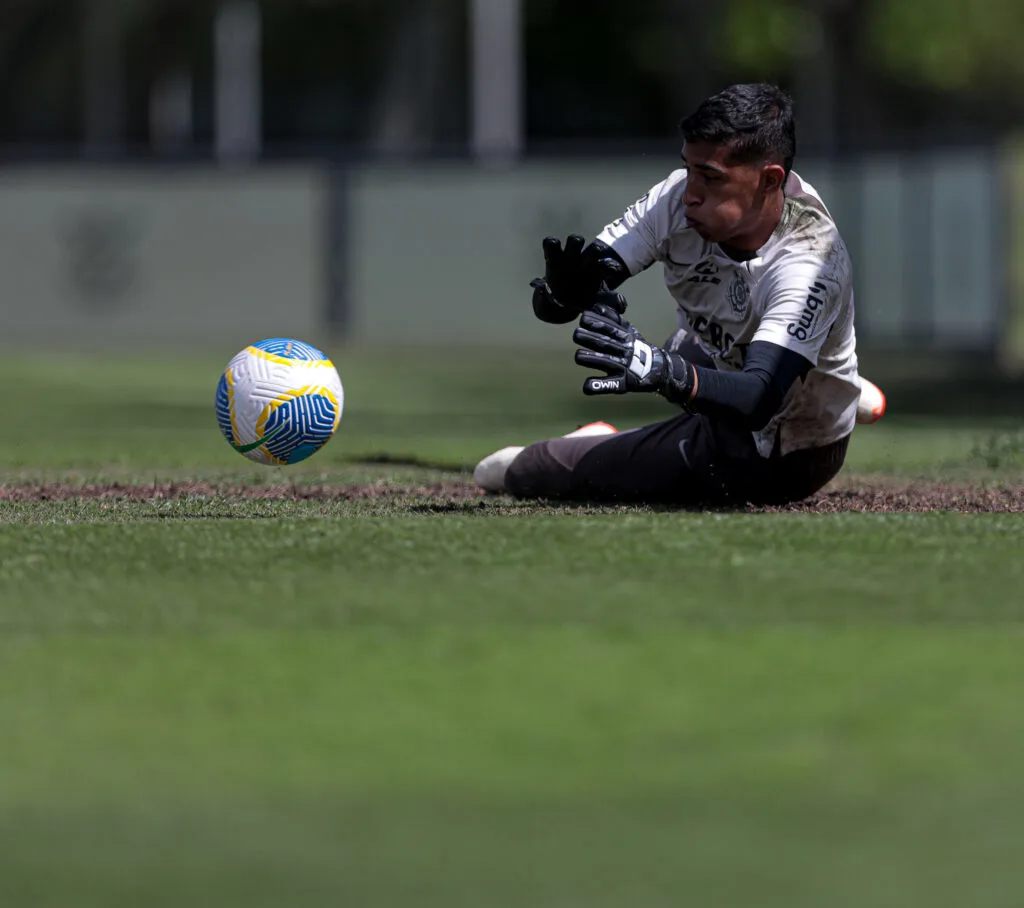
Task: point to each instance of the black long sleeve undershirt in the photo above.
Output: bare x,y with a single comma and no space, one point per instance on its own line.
750,397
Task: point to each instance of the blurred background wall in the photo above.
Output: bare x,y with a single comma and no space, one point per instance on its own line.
383,170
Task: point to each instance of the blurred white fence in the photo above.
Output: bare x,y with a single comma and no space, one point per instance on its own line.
444,253
447,252
930,245
110,258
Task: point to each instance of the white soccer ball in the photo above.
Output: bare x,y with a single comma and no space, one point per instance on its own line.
279,401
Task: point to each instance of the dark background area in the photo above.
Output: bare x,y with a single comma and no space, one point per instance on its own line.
602,75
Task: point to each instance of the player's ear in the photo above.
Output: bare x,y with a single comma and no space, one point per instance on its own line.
772,177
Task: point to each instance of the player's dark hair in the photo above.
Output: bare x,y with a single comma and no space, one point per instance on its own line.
755,121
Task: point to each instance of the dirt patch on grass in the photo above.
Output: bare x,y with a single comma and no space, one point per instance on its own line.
887,496
167,491
864,494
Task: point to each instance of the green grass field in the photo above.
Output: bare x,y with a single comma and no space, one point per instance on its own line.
409,701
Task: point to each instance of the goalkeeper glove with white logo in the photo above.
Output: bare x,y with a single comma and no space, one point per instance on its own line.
613,346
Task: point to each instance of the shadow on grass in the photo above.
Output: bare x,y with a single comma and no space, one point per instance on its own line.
406,460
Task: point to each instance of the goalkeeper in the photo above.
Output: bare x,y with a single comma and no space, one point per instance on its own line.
763,369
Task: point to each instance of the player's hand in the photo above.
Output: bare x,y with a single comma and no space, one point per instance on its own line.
546,307
575,273
611,345
564,272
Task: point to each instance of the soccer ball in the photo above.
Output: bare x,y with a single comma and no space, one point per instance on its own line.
279,401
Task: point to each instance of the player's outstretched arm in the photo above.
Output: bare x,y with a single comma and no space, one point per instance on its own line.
753,395
610,344
573,275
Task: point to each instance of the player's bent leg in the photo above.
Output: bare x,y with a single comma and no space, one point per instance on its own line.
490,472
677,461
800,474
548,469
688,460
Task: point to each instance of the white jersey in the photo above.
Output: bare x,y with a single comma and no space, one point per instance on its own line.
796,292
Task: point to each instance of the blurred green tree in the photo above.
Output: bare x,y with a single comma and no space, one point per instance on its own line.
951,45
382,75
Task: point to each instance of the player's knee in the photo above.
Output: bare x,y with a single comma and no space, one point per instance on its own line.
545,470
525,477
536,474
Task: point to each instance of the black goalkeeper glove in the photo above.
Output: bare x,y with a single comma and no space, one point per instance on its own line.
612,345
547,308
572,277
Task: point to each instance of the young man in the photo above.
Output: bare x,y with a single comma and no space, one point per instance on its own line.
764,366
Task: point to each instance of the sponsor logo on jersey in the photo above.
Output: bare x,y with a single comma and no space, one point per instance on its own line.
706,273
739,293
800,329
712,332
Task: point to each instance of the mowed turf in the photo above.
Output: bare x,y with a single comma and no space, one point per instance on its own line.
391,702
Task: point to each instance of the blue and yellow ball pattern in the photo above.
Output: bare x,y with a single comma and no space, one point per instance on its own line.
279,401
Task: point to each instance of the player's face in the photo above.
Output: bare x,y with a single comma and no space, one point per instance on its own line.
725,201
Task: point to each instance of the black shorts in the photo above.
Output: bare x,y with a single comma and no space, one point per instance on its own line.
691,459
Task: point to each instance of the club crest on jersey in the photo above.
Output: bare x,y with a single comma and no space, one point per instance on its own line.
739,294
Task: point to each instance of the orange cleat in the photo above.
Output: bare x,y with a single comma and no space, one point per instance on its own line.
871,406
592,428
